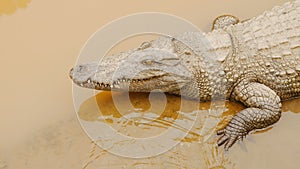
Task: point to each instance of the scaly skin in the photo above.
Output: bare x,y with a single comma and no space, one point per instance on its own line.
256,62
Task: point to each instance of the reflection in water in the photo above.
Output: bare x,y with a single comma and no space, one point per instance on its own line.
147,116
10,6
139,112
291,106
150,115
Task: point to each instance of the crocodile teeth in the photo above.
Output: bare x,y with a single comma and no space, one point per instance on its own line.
89,80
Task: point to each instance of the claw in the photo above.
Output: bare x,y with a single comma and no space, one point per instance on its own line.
220,132
230,142
229,135
222,140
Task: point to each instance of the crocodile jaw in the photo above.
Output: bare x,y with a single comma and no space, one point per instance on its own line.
152,81
154,65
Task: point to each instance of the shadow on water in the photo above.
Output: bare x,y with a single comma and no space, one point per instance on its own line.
148,112
152,114
149,115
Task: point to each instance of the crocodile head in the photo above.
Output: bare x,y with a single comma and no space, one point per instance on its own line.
154,65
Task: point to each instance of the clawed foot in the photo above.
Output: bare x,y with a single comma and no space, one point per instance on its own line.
264,109
230,134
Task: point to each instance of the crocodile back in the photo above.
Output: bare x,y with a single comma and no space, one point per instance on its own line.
267,49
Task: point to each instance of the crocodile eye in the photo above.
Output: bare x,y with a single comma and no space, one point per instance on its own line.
187,52
148,62
144,45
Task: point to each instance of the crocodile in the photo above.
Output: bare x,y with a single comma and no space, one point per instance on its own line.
255,62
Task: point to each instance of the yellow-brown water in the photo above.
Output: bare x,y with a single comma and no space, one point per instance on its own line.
10,6
39,43
66,142
171,109
148,125
192,152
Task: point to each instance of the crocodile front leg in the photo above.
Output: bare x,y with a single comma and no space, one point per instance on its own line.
264,109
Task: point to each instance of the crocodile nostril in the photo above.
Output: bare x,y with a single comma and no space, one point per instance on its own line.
71,73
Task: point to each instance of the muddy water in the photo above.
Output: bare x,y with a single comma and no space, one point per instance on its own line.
66,145
9,7
272,148
40,41
151,115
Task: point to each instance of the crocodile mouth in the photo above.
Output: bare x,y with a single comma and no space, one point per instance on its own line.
119,84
